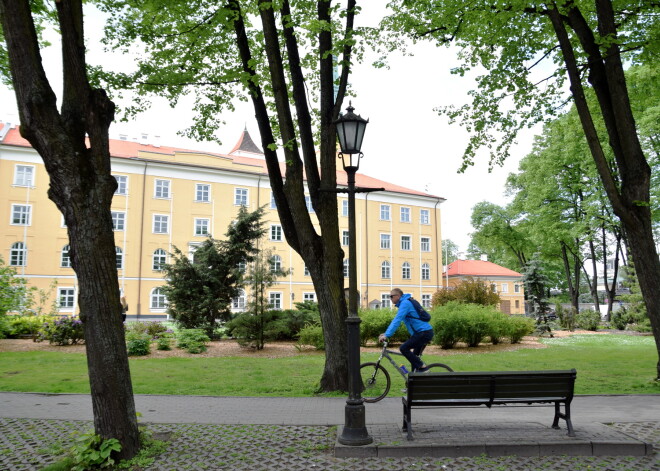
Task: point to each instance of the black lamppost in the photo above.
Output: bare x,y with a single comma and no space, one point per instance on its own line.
350,130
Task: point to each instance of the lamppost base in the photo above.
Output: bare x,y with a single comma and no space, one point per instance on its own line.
355,431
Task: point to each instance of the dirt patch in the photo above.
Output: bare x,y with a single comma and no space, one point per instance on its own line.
230,348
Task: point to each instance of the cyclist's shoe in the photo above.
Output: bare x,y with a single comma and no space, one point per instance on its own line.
423,369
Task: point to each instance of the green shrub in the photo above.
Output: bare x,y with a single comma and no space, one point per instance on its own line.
62,331
447,324
566,317
498,327
254,330
90,451
292,321
192,340
20,325
588,320
4,326
375,322
138,344
312,335
164,342
517,327
477,323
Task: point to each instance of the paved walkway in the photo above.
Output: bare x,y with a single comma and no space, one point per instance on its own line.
209,433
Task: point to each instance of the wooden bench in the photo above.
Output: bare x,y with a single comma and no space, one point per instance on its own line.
475,388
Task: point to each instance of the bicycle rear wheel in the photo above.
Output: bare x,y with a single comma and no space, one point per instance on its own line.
376,381
438,368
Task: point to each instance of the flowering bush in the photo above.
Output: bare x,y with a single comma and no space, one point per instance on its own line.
138,344
62,331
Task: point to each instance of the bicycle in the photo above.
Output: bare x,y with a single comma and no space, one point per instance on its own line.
377,380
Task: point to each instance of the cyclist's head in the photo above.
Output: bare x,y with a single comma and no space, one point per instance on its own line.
395,295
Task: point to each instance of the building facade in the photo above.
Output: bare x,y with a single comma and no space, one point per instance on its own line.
170,197
507,283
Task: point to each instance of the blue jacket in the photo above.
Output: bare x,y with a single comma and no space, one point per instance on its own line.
407,314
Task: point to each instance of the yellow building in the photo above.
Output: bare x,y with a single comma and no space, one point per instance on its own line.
507,283
170,197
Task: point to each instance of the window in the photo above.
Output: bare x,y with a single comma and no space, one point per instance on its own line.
384,212
24,175
161,224
308,203
493,287
242,267
273,204
119,256
516,288
517,304
162,189
385,270
405,214
309,297
306,271
426,300
238,303
18,255
122,184
346,268
192,248
202,226
424,216
425,245
385,301
344,208
66,297
202,193
275,300
385,241
426,271
158,300
275,264
118,220
241,196
505,288
276,232
159,259
405,271
21,214
405,242
65,261
345,238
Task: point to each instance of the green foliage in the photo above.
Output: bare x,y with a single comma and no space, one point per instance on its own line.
199,292
13,289
138,344
312,335
90,451
518,327
536,286
62,331
469,290
254,331
375,322
566,317
149,450
192,340
153,329
164,342
499,327
588,320
20,325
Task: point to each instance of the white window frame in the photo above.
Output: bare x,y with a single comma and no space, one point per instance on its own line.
347,268
386,270
345,238
200,224
273,203
122,184
504,287
406,242
238,303
385,212
118,221
18,254
21,178
163,220
241,196
158,259
405,214
385,300
162,189
385,241
68,295
308,203
425,244
24,215
65,258
306,271
406,271
516,288
202,193
424,217
276,232
119,258
157,300
344,208
426,272
309,296
275,300
426,300
275,263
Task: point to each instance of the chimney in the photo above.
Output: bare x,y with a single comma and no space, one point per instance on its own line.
484,257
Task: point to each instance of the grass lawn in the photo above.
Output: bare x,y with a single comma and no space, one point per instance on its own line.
605,364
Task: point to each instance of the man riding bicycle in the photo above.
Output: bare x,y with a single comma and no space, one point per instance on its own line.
421,333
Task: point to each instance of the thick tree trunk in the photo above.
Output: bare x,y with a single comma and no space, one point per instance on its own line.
81,186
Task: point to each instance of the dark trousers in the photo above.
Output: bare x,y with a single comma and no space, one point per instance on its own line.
412,347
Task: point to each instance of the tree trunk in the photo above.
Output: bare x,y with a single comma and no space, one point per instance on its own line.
81,186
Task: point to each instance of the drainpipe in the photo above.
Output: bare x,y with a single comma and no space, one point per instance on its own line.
439,246
139,290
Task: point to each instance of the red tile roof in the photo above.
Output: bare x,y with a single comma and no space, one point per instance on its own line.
130,149
478,268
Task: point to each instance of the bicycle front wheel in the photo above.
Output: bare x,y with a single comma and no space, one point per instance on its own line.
438,368
375,381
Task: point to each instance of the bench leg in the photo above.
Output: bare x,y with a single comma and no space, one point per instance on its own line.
407,424
566,416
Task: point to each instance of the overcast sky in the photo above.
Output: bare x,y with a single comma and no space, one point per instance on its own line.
406,142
